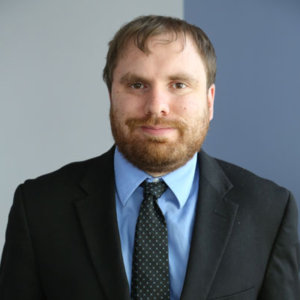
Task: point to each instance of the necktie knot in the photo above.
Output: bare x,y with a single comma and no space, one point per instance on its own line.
155,189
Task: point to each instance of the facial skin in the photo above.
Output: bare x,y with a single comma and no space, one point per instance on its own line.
160,104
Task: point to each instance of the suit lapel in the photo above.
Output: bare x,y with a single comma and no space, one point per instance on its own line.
214,220
97,215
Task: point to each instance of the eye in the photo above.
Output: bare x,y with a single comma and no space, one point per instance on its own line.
178,85
137,85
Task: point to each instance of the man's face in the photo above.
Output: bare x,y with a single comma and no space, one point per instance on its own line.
160,105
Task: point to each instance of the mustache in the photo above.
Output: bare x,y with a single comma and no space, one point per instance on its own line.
133,123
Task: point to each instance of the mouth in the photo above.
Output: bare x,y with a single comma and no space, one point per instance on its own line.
157,130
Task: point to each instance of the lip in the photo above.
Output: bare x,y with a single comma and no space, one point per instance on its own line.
157,130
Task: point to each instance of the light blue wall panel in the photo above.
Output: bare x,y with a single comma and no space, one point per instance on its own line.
257,112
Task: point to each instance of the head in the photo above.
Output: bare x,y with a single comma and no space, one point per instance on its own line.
160,74
142,28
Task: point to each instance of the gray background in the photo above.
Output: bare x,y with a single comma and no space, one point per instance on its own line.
257,108
53,103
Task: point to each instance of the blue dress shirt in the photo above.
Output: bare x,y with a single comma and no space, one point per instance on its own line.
177,204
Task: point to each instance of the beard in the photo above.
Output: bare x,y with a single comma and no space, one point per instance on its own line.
157,154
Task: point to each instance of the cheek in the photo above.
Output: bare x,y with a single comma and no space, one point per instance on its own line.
188,104
187,109
124,110
126,104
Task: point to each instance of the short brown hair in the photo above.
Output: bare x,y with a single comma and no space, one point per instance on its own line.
142,28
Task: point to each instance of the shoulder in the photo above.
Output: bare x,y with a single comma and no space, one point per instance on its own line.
262,202
245,180
247,189
68,177
259,197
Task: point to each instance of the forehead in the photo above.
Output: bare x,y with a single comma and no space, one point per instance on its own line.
163,57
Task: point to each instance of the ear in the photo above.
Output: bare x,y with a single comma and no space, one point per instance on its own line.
210,100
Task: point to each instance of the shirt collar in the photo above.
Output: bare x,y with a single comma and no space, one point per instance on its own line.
128,178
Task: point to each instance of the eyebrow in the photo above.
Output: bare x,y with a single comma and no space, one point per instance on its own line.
129,77
184,77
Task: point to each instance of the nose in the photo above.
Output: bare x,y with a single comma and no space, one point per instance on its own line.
157,102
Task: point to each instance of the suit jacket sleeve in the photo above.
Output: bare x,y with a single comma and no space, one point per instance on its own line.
18,272
282,275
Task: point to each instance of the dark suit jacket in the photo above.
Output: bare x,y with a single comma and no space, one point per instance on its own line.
63,242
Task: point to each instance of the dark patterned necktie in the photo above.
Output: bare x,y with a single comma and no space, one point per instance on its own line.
150,266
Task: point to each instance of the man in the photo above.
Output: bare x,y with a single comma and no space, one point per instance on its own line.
155,217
